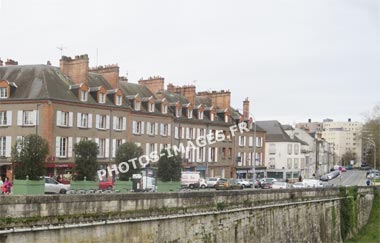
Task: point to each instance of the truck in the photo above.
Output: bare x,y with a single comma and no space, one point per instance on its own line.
142,183
192,179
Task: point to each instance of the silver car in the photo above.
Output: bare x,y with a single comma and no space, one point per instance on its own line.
53,186
212,181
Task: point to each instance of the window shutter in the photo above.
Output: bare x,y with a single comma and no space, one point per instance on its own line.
147,149
9,118
134,127
70,119
194,157
89,120
169,130
57,146
114,122
156,128
108,122
209,155
204,154
183,132
58,118
19,142
161,147
176,132
187,133
156,147
216,154
97,121
107,153
97,141
78,139
161,129
148,127
79,116
124,124
19,118
142,127
35,117
8,146
245,140
113,148
70,148
198,133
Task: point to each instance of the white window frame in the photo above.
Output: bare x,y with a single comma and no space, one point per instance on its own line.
151,107
200,115
5,118
102,98
272,148
3,92
189,113
84,95
119,100
5,146
178,112
212,116
164,109
28,118
137,105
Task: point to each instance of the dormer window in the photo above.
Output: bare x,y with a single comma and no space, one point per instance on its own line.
137,105
119,100
189,113
212,116
83,95
200,115
151,107
178,112
164,109
4,92
226,118
102,98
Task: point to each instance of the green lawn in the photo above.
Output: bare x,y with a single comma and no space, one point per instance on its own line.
371,232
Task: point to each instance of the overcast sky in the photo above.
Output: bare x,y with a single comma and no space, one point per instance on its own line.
294,59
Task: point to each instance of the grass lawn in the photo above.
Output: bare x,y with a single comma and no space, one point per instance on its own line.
370,233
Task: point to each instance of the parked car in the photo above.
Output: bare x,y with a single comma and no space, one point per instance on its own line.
266,185
373,175
227,184
280,185
312,183
244,183
298,185
268,180
202,183
190,179
327,185
212,181
106,184
324,178
254,183
53,186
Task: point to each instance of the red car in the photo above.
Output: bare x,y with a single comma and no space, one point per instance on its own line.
106,184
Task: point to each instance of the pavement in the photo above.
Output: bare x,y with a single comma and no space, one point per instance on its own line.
351,178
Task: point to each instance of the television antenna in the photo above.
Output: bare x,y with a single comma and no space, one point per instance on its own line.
61,48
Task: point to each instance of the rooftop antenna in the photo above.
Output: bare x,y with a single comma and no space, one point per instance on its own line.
61,48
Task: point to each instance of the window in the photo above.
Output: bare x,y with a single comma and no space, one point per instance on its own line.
137,127
272,148
224,152
213,155
118,123
102,98
63,147
178,112
296,149
164,109
212,116
119,100
189,113
102,148
5,146
137,105
63,118
191,133
241,141
164,129
296,163
272,163
290,148
259,142
151,107
200,115
229,152
28,118
226,120
4,92
250,142
289,163
102,121
5,118
150,128
83,95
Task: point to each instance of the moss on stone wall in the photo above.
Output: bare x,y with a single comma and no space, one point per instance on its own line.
348,211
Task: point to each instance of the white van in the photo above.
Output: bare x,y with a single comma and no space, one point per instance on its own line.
312,183
190,179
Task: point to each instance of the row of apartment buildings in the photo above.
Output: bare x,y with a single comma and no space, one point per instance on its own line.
73,102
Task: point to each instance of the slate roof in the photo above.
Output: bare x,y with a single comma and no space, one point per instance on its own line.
275,131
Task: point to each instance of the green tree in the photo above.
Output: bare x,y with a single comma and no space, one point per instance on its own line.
371,137
124,153
347,157
169,166
29,154
86,162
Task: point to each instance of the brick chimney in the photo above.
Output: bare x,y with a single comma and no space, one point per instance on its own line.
154,84
109,73
10,62
76,69
170,88
246,109
219,99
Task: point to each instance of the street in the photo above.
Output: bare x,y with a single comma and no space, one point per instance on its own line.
350,178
